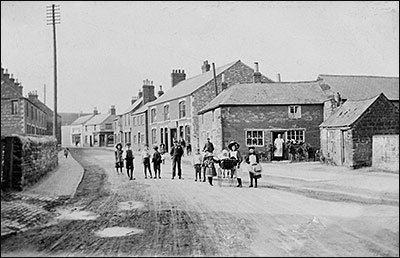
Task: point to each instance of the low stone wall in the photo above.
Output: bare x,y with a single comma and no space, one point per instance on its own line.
385,152
28,159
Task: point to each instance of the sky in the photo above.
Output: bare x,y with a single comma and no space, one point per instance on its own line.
106,49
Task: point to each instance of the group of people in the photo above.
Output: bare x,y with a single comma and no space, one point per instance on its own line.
147,158
206,164
229,161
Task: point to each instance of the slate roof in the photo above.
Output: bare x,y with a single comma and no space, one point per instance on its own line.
349,112
81,120
142,108
133,106
188,86
98,119
358,87
276,93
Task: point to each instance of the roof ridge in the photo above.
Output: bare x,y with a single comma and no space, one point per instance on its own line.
352,75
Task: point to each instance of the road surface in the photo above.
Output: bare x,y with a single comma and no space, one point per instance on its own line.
113,216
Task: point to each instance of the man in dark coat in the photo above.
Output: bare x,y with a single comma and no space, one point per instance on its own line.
176,155
208,147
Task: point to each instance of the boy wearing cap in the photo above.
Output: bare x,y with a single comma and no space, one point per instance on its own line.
129,161
157,160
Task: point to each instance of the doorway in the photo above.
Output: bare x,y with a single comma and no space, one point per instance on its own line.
173,135
284,155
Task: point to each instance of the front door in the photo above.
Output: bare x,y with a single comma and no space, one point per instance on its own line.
279,155
173,135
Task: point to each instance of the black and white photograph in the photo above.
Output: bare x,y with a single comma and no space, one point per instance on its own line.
200,129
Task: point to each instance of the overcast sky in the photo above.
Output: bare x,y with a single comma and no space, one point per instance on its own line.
106,49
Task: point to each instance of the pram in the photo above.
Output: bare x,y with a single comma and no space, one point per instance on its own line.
227,167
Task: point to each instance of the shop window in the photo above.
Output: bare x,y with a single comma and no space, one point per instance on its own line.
254,138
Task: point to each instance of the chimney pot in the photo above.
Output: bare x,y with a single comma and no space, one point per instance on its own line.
279,77
256,67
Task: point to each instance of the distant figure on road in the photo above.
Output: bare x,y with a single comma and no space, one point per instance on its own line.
119,162
197,162
157,160
176,155
66,151
146,161
129,161
278,143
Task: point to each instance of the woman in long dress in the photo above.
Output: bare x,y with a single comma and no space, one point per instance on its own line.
278,143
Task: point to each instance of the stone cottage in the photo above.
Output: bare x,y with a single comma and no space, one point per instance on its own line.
253,114
346,136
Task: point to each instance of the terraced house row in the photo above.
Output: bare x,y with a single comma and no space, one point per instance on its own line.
24,115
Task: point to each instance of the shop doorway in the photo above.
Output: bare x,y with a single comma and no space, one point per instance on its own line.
173,135
284,153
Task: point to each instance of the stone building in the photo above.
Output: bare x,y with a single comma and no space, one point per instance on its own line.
21,115
174,114
347,135
253,114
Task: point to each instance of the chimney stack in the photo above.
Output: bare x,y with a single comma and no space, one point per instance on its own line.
148,92
177,76
160,92
279,77
224,85
95,112
205,67
33,96
112,110
257,74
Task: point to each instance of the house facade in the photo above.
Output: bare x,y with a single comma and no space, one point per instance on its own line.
347,135
73,135
253,114
130,126
174,114
21,115
98,130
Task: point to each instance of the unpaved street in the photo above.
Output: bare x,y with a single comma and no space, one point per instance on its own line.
186,218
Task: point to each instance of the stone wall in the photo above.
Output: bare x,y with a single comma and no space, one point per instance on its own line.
28,159
381,118
385,152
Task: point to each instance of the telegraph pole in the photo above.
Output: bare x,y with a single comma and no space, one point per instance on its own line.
53,18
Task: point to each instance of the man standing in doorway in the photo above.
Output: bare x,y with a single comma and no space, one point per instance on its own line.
208,147
278,143
176,155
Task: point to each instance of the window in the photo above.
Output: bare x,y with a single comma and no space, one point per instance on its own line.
182,109
255,138
187,134
154,136
213,115
294,112
109,127
85,128
14,107
297,135
142,119
94,128
153,115
166,112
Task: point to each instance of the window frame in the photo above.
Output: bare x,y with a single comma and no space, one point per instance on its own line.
14,107
254,133
182,108
297,111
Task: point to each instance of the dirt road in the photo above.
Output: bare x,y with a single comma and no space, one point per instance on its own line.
165,217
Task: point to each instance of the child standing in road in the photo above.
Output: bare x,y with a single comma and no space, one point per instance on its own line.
119,162
66,151
156,163
146,161
129,161
197,162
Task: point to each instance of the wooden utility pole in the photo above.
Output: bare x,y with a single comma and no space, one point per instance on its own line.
53,18
215,80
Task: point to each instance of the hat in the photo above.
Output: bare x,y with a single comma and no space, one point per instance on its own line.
155,147
118,144
225,153
251,148
175,141
233,143
128,144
